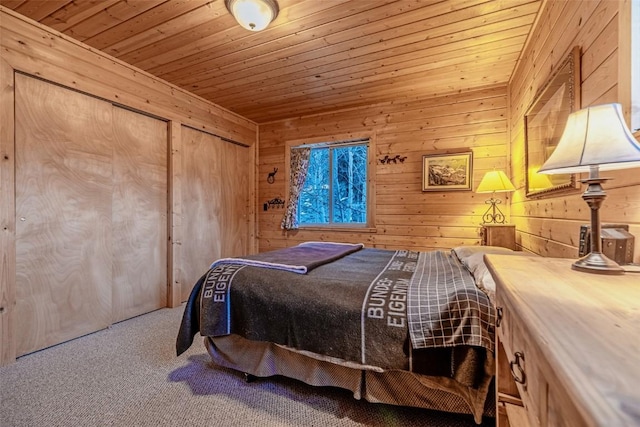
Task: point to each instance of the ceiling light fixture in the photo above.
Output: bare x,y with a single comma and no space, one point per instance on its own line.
254,15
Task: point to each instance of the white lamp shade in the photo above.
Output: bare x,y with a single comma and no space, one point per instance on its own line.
596,135
254,15
495,181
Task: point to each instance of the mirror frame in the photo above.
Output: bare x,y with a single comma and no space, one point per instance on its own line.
567,77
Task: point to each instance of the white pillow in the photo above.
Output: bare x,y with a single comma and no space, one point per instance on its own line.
472,257
463,252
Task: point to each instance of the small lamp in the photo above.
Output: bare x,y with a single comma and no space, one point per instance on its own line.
494,182
594,138
254,15
538,181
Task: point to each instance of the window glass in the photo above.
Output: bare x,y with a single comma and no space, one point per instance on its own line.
313,207
335,188
349,184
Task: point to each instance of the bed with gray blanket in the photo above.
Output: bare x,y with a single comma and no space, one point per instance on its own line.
400,327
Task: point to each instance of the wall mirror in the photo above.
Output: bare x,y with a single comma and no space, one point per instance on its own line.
545,121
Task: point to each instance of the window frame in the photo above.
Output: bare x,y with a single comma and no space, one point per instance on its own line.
338,140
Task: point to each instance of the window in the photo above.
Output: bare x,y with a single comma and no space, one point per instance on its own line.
335,187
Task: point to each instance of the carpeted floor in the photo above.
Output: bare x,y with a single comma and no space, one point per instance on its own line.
128,375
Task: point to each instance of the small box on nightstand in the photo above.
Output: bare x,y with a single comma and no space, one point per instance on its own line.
503,235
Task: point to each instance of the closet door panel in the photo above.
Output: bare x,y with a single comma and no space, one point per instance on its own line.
235,163
63,209
139,214
215,203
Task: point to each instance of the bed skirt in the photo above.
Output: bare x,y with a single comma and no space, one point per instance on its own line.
395,387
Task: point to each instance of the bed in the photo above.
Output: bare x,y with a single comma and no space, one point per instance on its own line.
398,327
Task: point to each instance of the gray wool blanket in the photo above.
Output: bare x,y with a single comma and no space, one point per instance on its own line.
361,306
414,311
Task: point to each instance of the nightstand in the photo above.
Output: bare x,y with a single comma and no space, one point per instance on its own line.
498,235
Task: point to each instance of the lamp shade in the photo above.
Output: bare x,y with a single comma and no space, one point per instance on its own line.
495,181
538,181
596,135
254,15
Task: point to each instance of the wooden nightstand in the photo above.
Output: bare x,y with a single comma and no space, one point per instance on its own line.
567,344
498,235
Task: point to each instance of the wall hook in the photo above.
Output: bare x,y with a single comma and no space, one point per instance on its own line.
276,202
395,159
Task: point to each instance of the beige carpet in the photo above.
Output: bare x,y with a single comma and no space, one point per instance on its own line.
128,375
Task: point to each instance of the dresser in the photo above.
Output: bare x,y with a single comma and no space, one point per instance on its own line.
567,344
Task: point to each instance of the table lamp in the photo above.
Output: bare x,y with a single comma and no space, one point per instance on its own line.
494,182
594,138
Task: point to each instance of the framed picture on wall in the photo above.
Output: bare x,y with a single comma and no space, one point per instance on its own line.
544,123
447,172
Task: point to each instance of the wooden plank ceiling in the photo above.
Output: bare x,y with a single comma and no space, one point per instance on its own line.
317,56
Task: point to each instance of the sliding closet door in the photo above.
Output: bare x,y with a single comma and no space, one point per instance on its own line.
139,214
215,202
64,155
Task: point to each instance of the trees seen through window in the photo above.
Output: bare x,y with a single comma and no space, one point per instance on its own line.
335,188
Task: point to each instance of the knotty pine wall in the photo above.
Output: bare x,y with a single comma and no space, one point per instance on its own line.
405,217
549,226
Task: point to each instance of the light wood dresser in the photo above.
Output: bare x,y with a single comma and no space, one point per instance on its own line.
568,344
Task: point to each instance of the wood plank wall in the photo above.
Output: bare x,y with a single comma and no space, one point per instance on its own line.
36,50
405,216
549,226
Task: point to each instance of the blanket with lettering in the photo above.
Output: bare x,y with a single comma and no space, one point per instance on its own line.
361,307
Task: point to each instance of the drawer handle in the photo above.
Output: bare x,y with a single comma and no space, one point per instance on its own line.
499,313
520,376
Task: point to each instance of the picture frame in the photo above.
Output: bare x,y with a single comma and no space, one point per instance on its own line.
447,171
544,122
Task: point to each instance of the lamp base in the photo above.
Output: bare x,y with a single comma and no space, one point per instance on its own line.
598,263
493,214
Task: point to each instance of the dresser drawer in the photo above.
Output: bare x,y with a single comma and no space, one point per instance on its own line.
523,359
525,366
